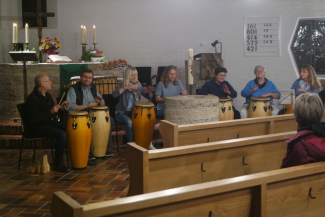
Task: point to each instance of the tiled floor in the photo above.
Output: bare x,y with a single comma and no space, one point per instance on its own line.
25,195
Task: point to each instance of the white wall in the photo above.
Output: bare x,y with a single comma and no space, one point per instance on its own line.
159,32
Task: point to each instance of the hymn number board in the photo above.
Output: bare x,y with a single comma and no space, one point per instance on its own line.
262,36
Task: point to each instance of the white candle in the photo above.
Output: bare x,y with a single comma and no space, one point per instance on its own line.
26,33
83,41
190,66
15,33
94,34
85,35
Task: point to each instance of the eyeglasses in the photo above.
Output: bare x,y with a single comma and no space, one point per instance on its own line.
85,77
46,81
222,75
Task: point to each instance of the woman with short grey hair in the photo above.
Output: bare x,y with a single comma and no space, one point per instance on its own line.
308,144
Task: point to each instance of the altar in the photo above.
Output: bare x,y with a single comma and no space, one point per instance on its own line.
12,83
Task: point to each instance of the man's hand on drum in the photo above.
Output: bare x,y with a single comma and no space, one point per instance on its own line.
99,100
226,90
183,92
55,109
92,104
274,95
254,88
266,95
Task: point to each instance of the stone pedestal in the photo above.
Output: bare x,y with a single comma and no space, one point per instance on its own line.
190,109
12,84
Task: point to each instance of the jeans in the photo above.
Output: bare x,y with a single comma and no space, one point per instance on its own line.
126,120
160,113
56,133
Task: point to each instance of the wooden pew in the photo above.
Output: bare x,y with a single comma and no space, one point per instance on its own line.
178,135
277,193
162,169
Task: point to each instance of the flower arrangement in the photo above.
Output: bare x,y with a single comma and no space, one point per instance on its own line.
97,53
92,53
50,45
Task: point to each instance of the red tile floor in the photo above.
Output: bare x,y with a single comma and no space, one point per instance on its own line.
25,195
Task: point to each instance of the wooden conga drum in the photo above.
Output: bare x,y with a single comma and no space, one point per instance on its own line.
259,107
288,109
100,127
226,109
78,138
143,123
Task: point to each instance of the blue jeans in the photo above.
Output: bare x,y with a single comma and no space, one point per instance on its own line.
126,120
56,133
160,113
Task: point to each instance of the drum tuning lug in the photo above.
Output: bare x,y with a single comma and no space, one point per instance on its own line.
229,108
149,116
265,108
254,107
88,124
270,107
106,119
74,125
94,119
223,109
135,115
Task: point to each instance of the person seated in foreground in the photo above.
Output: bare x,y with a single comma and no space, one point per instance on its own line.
308,144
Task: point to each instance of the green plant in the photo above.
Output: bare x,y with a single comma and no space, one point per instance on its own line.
86,56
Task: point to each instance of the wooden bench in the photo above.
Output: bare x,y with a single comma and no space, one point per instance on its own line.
162,169
296,191
178,135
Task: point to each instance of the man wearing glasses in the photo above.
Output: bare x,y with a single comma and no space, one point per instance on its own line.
43,118
83,95
218,86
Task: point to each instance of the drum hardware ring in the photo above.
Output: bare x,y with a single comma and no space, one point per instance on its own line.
229,108
93,118
265,108
254,108
149,116
223,109
244,161
270,107
107,119
135,115
310,194
202,168
88,124
74,124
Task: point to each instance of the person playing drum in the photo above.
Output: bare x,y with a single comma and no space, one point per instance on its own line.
168,86
42,114
218,86
129,91
307,82
259,87
83,95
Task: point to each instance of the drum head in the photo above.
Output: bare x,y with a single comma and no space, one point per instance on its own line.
224,99
98,107
260,98
78,113
143,104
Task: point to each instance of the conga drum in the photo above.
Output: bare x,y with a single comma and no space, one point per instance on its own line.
100,127
78,138
143,123
288,109
226,109
259,107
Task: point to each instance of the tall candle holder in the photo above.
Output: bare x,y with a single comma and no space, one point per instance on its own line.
83,48
95,45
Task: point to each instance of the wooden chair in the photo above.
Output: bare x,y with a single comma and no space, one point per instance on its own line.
27,136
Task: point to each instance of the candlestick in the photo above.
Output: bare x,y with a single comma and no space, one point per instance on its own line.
83,48
15,33
82,35
85,35
26,33
94,34
95,45
190,66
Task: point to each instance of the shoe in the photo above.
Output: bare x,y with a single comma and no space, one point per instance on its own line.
108,154
91,156
61,168
92,163
151,147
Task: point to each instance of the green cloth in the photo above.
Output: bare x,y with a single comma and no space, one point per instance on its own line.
66,72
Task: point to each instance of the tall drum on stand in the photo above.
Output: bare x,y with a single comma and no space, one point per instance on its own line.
101,127
226,109
259,107
78,138
143,122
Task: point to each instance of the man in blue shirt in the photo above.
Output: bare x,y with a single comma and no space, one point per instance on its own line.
217,86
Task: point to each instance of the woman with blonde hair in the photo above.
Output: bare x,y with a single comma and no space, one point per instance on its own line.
308,144
169,85
129,91
307,82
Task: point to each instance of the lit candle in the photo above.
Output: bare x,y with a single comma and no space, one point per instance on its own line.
190,66
82,35
26,33
94,34
85,35
15,33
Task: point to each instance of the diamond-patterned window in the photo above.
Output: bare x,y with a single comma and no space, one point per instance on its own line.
308,44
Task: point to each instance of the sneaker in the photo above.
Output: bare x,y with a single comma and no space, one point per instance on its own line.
109,154
61,168
151,147
91,156
92,163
